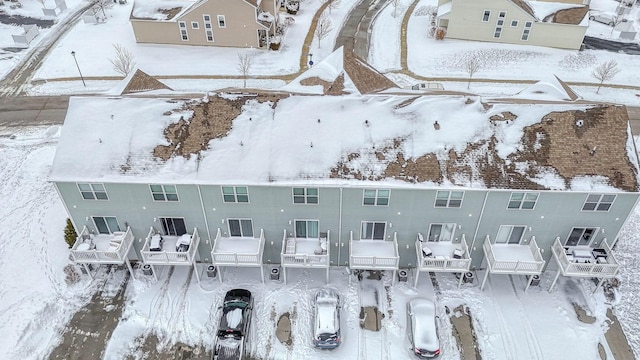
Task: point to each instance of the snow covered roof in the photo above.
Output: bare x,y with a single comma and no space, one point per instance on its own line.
423,141
551,89
160,9
557,12
445,8
138,81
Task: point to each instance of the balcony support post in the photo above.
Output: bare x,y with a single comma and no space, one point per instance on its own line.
555,280
486,276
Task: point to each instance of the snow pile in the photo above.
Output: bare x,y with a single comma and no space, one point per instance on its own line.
156,10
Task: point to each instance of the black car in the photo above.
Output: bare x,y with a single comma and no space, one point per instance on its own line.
233,330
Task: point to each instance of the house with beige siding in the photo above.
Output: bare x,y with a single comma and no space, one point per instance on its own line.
552,24
234,23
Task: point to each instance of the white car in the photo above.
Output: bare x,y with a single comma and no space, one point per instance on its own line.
423,331
326,325
604,18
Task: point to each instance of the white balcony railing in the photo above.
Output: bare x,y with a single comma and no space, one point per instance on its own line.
237,251
373,254
529,263
445,256
304,252
169,255
102,248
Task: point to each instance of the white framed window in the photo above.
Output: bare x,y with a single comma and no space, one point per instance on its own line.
449,199
523,200
500,22
305,195
106,224
486,15
598,202
307,229
173,226
581,236
376,197
184,35
497,33
526,31
208,28
514,23
195,25
164,192
209,34
206,18
222,22
240,227
93,191
373,230
502,14
441,232
235,194
510,234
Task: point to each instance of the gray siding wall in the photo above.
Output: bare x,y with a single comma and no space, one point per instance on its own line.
340,211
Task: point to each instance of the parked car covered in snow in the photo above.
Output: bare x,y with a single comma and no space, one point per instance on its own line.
605,18
233,329
423,331
326,325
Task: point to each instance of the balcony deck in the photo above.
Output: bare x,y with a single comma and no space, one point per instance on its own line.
103,248
584,261
443,257
305,253
169,255
374,254
238,251
513,259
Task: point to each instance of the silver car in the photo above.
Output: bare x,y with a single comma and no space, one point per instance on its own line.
326,325
423,331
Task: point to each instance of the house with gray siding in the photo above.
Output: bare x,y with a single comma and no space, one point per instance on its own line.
427,182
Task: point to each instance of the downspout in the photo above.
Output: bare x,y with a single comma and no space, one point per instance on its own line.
340,228
475,234
204,213
64,203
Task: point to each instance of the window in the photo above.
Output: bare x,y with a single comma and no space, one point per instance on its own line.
510,234
206,18
502,14
526,31
500,22
451,199
372,230
183,30
514,23
486,15
598,202
307,229
93,191
240,227
497,33
106,224
164,192
581,236
173,226
235,194
209,34
523,200
195,25
221,21
376,197
441,232
305,195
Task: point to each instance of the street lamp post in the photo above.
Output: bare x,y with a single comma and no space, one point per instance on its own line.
73,53
310,59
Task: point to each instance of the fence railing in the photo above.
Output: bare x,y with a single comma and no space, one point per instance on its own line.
376,261
237,258
164,257
91,255
304,259
514,267
592,269
448,263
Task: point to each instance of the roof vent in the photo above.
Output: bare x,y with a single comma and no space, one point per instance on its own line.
579,123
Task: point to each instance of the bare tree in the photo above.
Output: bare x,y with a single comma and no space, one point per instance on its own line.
323,28
332,4
123,62
244,66
102,5
395,6
471,66
605,72
615,21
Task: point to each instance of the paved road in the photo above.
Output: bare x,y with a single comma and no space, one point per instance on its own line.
32,110
613,46
354,34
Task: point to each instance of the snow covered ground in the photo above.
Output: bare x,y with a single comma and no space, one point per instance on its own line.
37,302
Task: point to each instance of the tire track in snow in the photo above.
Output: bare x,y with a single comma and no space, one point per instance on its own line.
535,350
180,310
508,343
161,303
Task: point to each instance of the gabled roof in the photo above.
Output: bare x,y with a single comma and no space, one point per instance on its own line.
160,10
551,89
398,141
340,73
139,81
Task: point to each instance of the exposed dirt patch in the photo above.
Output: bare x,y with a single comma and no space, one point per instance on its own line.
582,315
463,331
283,329
210,120
504,116
571,16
